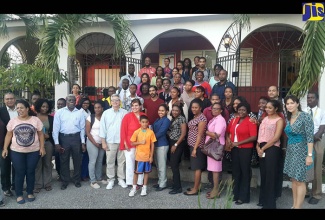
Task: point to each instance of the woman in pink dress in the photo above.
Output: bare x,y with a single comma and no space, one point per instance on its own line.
216,129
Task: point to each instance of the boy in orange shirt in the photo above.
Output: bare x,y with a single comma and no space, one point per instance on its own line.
143,138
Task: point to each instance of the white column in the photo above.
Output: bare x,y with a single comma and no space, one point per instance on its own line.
321,91
62,89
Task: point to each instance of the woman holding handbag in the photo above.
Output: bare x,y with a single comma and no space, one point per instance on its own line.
216,129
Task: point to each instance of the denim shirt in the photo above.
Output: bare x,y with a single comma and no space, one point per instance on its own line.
160,128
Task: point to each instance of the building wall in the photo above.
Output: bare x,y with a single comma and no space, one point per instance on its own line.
149,26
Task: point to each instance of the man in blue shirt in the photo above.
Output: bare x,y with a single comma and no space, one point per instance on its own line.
69,135
219,87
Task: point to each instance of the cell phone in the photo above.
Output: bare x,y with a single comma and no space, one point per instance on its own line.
263,154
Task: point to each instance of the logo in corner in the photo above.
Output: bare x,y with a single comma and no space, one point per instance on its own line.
313,11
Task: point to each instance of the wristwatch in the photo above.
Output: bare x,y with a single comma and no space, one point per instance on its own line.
310,155
175,144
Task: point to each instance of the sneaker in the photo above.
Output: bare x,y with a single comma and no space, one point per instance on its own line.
103,182
122,183
2,204
95,185
132,192
110,185
143,191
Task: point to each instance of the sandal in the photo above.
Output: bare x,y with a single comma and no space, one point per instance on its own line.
48,188
37,190
20,200
30,198
208,196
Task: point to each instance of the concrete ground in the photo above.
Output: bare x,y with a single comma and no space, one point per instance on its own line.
88,198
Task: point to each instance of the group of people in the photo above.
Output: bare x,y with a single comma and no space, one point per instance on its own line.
160,117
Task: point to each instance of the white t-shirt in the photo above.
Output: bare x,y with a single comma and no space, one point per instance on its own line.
94,131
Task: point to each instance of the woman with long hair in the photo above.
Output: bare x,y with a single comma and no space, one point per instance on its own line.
43,172
195,139
144,79
187,69
175,95
268,150
299,159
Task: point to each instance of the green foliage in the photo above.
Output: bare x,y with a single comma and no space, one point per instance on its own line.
312,61
221,203
28,77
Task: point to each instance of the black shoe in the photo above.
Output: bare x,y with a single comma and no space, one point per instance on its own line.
8,193
239,202
12,188
63,186
175,191
260,204
313,201
307,196
171,187
2,204
161,188
156,186
77,184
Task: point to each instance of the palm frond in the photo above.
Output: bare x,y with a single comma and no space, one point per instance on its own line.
3,25
312,60
243,20
121,28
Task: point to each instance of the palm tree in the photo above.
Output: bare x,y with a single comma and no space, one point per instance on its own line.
54,30
64,27
312,58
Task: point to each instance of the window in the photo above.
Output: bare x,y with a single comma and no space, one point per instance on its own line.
210,56
245,68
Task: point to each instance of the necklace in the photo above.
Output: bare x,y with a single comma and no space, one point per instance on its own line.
296,115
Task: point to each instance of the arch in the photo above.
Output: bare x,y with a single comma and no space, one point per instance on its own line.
28,49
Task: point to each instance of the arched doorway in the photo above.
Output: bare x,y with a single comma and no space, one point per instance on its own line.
270,55
178,43
97,67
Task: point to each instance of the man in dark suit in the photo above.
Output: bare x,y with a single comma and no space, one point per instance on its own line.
7,112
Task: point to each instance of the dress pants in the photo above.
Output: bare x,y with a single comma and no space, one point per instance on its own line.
72,147
175,160
114,154
316,191
43,172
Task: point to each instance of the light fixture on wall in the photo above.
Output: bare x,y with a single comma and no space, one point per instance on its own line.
131,47
227,40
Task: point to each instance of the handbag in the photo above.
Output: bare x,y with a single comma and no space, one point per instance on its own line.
212,148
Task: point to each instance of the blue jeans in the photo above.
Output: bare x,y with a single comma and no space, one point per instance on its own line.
95,165
25,165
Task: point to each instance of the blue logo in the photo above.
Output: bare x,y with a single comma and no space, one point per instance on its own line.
313,11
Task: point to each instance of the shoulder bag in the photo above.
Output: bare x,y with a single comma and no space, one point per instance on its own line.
212,148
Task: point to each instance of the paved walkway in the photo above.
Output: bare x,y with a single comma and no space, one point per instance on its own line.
88,198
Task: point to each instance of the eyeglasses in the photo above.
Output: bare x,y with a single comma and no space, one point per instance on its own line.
86,103
115,100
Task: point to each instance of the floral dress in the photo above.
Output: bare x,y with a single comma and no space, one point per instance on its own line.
299,134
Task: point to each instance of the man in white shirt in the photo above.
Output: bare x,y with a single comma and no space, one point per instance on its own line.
124,92
110,126
318,116
133,79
